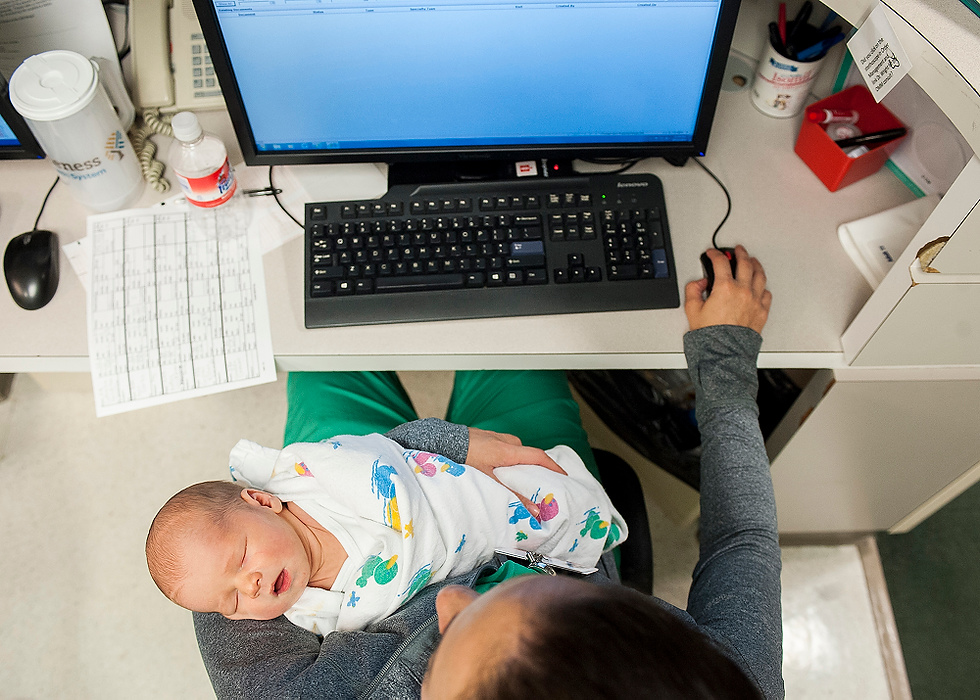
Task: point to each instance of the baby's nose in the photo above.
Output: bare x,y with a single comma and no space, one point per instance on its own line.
249,584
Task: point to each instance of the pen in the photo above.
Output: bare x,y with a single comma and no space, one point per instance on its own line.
829,33
775,40
782,23
874,138
801,17
831,16
819,48
796,25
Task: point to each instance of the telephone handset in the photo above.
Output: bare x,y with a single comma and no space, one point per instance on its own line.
171,65
171,72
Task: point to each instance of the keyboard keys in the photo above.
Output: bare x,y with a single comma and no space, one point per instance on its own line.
327,273
660,270
420,282
536,276
623,272
541,234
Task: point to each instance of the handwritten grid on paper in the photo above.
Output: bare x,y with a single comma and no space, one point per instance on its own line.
177,308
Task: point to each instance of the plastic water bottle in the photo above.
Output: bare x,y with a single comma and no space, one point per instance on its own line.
200,162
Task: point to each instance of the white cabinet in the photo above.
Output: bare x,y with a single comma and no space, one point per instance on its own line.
886,439
876,454
918,318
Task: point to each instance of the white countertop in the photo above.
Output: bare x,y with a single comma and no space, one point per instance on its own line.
781,213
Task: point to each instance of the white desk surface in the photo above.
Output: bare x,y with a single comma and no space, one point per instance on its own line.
781,213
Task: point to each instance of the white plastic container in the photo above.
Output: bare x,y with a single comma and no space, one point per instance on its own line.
782,85
60,96
200,163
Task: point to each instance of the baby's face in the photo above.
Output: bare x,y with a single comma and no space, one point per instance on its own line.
255,567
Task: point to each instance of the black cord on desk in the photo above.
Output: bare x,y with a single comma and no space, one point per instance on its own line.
728,197
275,194
624,164
44,203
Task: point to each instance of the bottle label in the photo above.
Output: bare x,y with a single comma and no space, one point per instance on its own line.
211,190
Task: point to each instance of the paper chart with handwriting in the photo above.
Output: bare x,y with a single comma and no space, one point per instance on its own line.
176,307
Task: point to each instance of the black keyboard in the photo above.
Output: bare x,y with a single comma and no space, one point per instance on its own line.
475,250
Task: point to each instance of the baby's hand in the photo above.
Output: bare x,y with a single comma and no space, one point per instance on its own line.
489,450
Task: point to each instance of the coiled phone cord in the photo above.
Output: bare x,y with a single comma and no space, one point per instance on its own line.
151,122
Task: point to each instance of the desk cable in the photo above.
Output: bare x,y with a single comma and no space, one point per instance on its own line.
624,165
45,202
728,197
274,192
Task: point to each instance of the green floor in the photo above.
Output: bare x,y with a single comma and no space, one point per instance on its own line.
933,576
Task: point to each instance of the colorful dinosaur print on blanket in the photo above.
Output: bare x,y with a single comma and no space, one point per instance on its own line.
381,570
383,486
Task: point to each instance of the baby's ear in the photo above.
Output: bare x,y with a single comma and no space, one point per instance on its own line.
254,497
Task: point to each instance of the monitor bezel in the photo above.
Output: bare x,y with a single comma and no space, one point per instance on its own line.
696,146
28,148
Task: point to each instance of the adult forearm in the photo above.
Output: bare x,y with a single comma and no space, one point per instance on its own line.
433,435
736,488
735,593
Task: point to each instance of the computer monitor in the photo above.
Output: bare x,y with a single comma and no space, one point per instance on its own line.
16,139
399,81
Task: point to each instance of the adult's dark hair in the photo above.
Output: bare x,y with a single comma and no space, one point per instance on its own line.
611,643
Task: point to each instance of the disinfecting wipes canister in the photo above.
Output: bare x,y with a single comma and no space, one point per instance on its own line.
66,107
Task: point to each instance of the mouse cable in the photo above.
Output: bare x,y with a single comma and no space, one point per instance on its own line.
45,202
624,165
714,243
275,195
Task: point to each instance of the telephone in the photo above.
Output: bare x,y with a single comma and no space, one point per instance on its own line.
171,72
170,63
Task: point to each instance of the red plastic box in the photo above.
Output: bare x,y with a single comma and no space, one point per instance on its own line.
825,158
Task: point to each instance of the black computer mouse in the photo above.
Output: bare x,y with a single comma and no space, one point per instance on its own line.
30,265
709,270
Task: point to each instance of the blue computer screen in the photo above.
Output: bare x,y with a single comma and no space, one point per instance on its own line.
390,74
7,137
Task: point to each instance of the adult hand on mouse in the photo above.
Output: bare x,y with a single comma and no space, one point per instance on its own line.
739,301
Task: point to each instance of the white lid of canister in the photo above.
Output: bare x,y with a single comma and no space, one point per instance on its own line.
53,85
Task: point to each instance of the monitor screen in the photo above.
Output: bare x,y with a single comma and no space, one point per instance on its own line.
352,80
7,137
16,140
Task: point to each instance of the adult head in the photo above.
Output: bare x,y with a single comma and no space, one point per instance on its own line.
543,636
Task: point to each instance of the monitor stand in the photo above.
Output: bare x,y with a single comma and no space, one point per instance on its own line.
439,172
330,183
357,181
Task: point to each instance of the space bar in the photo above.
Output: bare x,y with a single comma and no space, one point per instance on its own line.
418,283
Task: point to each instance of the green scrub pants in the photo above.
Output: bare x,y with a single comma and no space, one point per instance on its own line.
536,406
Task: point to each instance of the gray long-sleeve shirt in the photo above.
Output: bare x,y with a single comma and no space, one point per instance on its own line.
734,597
